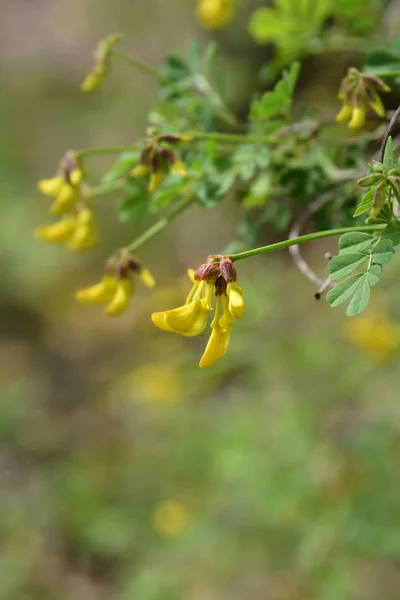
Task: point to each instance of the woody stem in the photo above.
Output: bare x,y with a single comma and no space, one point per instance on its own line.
159,225
309,237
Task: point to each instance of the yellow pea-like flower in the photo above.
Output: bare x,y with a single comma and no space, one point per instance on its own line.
57,233
236,303
121,298
51,187
219,340
155,180
140,170
345,113
85,235
146,278
358,118
100,293
178,167
66,199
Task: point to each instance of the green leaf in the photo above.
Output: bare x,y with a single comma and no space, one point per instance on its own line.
164,197
125,161
344,264
135,205
209,192
361,297
365,203
392,233
374,274
388,158
343,290
277,101
383,252
356,241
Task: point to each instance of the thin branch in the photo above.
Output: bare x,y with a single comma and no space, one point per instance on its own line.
299,261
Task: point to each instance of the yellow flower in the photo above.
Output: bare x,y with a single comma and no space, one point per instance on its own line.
155,180
57,233
102,65
100,293
85,235
65,187
140,170
116,291
191,318
214,14
121,298
377,335
178,167
170,518
213,277
236,304
220,337
345,113
358,117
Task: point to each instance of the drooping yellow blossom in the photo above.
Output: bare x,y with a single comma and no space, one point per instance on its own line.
116,288
64,187
170,518
57,233
85,235
214,14
359,90
178,167
155,180
102,64
216,277
375,334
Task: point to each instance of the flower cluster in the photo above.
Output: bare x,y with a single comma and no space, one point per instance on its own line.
381,182
215,14
77,227
357,92
215,277
102,64
157,159
116,288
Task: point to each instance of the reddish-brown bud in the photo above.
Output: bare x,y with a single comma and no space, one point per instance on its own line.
170,138
168,155
207,271
134,264
122,271
220,286
154,161
228,270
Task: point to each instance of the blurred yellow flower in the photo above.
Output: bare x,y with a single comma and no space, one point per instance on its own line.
170,518
102,63
214,14
376,334
117,288
156,384
76,232
65,187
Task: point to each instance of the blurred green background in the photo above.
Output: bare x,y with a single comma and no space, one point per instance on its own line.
127,473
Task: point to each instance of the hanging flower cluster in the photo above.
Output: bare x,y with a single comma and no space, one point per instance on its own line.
102,63
357,92
216,277
157,159
117,287
77,228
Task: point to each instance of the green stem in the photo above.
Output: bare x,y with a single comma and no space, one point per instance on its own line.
230,138
100,151
108,188
383,74
138,64
309,237
159,225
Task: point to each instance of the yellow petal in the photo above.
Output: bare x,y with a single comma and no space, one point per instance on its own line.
57,233
214,15
146,278
191,273
66,199
51,187
121,299
216,347
178,167
377,106
100,293
345,113
140,171
155,181
189,319
358,118
90,83
86,233
159,321
236,303
76,176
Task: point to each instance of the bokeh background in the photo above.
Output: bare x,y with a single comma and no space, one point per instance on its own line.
127,473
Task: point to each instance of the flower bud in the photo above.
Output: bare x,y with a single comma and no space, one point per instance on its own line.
369,180
207,271
228,270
